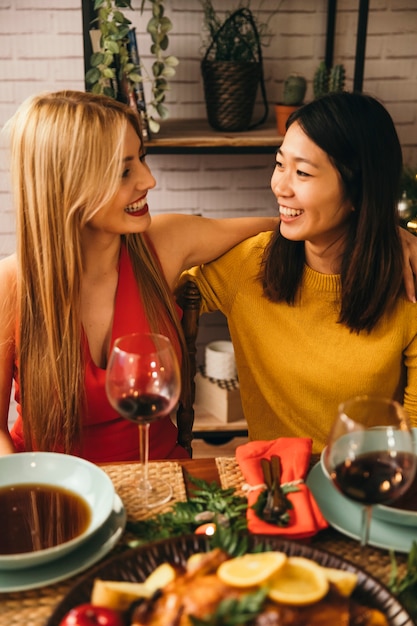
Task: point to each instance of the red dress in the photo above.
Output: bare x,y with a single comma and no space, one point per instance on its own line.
106,435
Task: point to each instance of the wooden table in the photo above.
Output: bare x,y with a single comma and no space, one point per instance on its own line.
33,607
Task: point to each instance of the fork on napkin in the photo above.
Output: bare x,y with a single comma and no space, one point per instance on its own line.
305,517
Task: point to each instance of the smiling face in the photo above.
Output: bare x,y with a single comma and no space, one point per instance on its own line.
311,199
128,212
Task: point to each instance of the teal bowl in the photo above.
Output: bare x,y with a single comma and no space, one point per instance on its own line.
83,482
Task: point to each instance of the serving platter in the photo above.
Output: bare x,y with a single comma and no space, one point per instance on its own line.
137,564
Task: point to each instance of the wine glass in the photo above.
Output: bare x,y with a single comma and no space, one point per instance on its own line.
143,384
372,464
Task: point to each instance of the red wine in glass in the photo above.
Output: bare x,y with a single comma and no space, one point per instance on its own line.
370,453
145,408
375,477
143,384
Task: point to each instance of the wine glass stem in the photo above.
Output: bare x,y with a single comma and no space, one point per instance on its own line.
144,453
366,524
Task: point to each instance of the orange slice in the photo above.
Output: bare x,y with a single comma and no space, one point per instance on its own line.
300,581
251,569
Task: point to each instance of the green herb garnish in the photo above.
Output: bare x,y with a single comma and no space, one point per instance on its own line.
233,611
209,502
406,588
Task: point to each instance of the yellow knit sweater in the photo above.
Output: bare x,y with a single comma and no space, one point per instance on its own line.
296,363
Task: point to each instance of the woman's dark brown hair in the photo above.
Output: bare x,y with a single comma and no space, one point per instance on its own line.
359,137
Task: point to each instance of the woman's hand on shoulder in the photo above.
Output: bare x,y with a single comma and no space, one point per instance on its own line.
182,241
409,245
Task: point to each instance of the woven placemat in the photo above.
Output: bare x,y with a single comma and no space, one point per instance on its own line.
33,607
126,476
375,561
230,474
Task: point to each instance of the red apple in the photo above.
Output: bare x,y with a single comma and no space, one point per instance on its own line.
91,615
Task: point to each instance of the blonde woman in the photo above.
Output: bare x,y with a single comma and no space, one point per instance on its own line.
91,265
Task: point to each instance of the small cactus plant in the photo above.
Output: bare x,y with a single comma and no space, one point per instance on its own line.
295,87
328,80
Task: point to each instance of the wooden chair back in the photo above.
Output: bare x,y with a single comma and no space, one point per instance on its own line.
189,299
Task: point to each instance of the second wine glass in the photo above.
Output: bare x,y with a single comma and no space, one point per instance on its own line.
370,453
143,384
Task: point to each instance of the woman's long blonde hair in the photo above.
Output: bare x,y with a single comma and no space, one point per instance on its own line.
66,164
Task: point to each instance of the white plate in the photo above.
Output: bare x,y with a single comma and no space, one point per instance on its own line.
345,516
65,471
76,561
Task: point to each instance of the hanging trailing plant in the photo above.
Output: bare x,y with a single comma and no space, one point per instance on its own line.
113,71
163,68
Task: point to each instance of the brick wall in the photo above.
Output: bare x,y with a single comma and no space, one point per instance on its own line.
41,48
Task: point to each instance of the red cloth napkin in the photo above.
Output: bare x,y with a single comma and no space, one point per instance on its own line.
305,518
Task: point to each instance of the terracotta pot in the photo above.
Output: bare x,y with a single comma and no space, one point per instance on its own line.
282,113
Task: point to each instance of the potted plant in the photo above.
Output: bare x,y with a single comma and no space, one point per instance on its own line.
115,68
232,67
295,87
327,80
407,203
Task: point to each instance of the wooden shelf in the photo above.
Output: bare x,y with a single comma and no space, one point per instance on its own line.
197,137
212,429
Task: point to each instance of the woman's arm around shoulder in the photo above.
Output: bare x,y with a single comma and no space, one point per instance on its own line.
182,241
7,345
409,245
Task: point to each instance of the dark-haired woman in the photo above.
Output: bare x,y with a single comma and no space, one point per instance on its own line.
317,310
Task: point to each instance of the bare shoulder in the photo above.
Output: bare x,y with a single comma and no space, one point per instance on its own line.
164,222
8,276
173,235
8,270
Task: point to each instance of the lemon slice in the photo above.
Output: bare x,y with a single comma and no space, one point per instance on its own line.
345,582
300,581
250,569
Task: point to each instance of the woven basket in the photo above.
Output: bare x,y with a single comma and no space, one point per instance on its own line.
230,91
